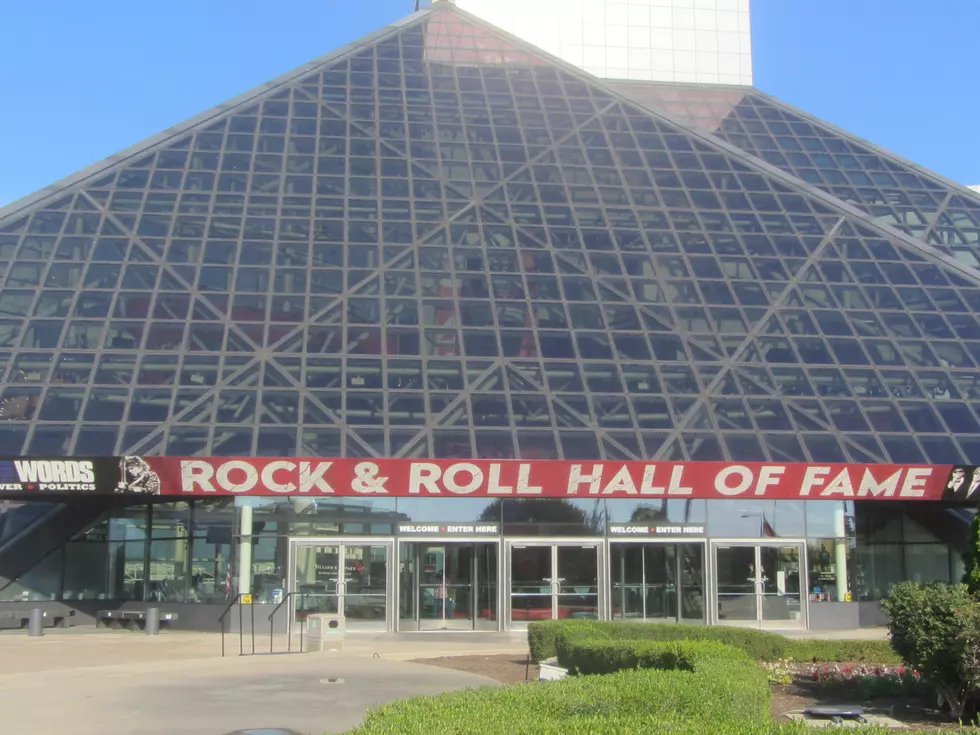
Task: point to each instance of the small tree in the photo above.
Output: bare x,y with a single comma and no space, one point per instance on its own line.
971,558
935,628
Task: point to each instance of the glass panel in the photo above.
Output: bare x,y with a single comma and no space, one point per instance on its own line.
736,575
42,582
486,586
409,575
779,575
644,581
756,518
578,582
831,569
126,570
85,570
318,580
365,583
691,592
168,570
530,583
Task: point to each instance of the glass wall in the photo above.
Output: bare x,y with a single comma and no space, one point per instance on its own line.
185,551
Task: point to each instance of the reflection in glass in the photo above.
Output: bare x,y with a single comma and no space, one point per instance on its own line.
830,518
448,586
779,578
620,510
531,580
654,581
318,580
551,517
736,583
42,582
324,515
436,510
350,580
756,518
577,581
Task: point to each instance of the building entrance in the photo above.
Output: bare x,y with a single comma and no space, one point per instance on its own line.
759,585
551,581
657,581
448,585
348,578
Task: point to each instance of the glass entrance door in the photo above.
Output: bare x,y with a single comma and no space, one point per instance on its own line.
657,581
759,585
349,579
552,581
447,586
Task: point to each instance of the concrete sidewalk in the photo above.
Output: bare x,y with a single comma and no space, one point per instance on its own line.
308,693
82,648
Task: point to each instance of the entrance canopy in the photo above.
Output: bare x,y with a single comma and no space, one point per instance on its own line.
313,477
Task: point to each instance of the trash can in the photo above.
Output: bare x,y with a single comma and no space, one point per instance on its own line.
325,632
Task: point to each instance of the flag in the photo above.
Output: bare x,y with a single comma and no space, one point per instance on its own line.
228,578
767,529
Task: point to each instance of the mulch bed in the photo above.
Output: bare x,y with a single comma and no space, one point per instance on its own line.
507,668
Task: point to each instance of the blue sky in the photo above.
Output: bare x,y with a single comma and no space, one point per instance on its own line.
81,81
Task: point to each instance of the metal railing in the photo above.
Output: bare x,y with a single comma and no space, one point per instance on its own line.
241,627
289,622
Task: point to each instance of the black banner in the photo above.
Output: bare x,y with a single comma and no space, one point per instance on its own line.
77,476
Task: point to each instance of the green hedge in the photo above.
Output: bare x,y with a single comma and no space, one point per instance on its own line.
760,645
698,687
690,689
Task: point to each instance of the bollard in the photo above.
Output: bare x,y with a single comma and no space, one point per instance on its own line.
35,623
152,621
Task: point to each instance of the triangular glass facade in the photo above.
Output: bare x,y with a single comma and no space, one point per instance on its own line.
909,199
444,243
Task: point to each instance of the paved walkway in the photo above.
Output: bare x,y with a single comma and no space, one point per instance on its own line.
307,693
87,682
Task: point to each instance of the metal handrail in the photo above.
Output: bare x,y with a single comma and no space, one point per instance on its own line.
289,623
241,633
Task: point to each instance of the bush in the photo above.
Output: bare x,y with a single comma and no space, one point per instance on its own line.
828,651
697,687
693,688
759,645
936,630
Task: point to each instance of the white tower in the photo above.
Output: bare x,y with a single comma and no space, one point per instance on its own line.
705,41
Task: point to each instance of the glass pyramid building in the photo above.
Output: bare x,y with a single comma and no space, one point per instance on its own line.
441,242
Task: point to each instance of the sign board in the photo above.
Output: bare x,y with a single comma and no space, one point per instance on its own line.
655,529
478,478
448,529
246,599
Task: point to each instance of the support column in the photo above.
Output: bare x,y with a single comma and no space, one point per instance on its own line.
840,551
245,551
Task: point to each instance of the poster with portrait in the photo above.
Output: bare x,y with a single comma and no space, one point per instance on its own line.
963,484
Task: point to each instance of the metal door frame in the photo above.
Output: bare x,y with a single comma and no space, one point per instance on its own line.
442,541
706,593
602,562
343,541
757,544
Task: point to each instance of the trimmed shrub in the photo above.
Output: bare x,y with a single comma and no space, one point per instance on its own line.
693,688
697,687
810,650
936,629
759,645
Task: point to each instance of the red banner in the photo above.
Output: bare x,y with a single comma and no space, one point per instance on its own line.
201,476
